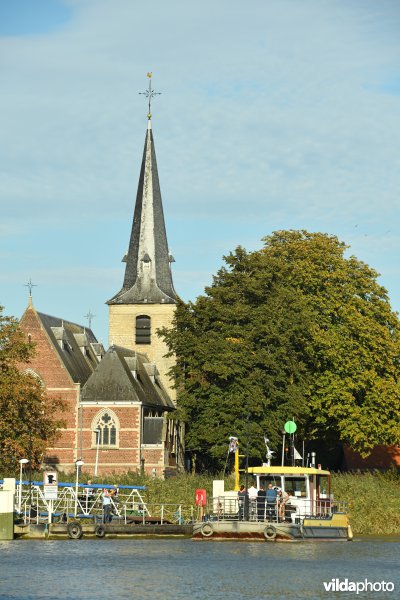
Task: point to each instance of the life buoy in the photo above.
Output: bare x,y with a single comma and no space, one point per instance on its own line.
100,531
207,530
270,532
74,530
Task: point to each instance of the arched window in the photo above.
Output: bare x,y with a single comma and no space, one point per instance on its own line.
143,329
105,430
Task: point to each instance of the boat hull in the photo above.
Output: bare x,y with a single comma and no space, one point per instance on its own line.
335,528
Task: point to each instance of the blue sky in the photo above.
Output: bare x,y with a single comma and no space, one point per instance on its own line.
274,114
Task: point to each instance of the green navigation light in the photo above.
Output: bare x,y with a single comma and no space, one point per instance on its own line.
290,427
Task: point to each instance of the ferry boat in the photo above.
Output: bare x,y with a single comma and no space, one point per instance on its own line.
309,512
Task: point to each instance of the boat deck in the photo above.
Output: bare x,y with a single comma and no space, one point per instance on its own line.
77,530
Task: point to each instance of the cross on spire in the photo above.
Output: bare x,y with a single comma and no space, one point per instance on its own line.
89,317
30,285
150,93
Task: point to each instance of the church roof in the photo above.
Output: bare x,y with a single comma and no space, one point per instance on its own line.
124,375
76,345
148,277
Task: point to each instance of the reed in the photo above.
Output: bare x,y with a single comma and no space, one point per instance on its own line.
374,501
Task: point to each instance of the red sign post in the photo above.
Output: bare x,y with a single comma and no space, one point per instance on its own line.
201,499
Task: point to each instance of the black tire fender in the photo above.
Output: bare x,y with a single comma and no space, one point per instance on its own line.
270,532
207,529
74,530
100,531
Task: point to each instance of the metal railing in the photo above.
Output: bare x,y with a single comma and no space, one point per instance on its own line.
87,503
128,507
294,510
164,513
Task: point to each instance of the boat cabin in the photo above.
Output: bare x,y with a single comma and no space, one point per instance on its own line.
309,489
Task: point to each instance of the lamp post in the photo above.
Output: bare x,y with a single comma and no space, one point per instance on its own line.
23,461
246,498
78,463
97,432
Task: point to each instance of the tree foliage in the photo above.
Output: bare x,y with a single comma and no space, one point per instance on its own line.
29,419
294,330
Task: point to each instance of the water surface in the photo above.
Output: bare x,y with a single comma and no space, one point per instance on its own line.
161,569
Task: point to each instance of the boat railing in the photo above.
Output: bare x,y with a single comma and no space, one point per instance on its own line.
162,513
295,510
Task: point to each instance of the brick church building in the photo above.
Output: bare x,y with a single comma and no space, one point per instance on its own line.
119,402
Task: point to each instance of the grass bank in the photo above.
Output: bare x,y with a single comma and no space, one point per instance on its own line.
374,501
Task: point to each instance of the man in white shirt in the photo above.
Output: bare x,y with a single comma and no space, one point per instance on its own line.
252,493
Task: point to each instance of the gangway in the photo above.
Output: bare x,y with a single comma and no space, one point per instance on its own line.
80,500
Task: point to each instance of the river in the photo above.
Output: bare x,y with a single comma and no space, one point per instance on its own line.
165,569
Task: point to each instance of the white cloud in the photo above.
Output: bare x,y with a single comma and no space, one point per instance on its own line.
278,115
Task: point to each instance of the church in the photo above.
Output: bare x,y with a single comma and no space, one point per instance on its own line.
120,403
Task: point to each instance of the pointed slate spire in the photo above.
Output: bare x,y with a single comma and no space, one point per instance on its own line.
148,277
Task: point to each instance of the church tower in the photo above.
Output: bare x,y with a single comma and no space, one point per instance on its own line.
147,298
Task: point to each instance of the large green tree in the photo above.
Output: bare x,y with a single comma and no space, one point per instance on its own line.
29,418
294,330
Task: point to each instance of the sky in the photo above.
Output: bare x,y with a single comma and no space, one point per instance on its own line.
273,114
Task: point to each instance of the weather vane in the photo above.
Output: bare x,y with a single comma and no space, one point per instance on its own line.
89,317
149,93
30,285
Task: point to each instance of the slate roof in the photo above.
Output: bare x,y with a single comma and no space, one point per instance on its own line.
124,375
68,339
148,277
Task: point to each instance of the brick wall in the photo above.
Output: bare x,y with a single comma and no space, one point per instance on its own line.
58,383
122,331
77,439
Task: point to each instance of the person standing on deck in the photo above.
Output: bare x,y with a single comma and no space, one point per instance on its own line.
253,500
261,498
106,507
88,495
271,494
283,497
242,493
114,498
89,491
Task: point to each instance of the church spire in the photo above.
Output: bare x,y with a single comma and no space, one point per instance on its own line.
148,277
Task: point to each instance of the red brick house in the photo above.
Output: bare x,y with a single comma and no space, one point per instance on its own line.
381,457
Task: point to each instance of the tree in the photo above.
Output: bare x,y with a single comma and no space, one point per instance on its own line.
294,330
29,418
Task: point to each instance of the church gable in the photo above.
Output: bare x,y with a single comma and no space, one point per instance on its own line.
126,376
47,363
110,382
65,356
76,346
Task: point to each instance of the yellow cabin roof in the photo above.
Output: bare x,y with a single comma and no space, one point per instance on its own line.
286,471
